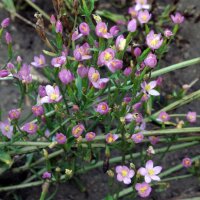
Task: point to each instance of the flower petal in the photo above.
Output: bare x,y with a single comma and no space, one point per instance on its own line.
149,164
154,93
157,169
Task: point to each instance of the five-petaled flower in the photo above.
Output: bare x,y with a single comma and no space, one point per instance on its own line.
124,174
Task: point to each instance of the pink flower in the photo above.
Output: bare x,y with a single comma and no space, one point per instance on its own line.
90,136
154,41
78,130
137,138
132,25
8,38
24,74
120,43
14,114
143,189
38,110
137,52
187,162
154,140
39,61
163,117
6,129
102,108
82,52
191,117
76,35
4,73
58,61
95,79
53,95
132,12
144,16
46,175
124,174
60,138
150,172
105,57
115,65
110,138
52,19
177,18
59,27
114,30
82,71
127,71
168,33
66,76
102,30
5,23
30,128
151,60
84,28
149,88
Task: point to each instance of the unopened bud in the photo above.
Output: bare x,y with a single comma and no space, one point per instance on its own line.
45,152
68,173
52,145
150,151
132,166
58,170
97,18
122,120
110,173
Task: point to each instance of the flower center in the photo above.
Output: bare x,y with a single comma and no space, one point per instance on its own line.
95,77
41,61
77,130
143,189
53,96
7,128
144,17
155,40
147,88
107,56
104,107
151,172
103,30
124,173
110,139
31,127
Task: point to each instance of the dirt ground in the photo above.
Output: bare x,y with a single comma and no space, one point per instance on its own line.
28,43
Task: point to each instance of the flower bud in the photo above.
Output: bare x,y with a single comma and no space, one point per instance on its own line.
151,60
59,27
5,23
14,114
110,173
4,73
132,25
8,38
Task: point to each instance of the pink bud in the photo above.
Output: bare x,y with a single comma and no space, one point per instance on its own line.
59,27
137,52
4,73
53,19
8,38
5,23
132,25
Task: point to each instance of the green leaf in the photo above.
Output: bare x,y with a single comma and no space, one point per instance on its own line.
5,158
109,197
50,53
79,86
9,5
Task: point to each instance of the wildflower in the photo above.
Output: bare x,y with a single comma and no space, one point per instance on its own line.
110,138
150,172
191,117
105,57
95,79
30,128
127,71
5,23
6,129
168,33
177,18
150,151
144,189
42,91
82,52
120,43
24,74
58,61
82,71
102,108
132,11
53,19
8,38
84,28
53,95
78,130
144,16
19,59
154,41
102,30
10,66
150,60
115,65
76,35
137,138
163,117
4,73
124,174
46,175
132,25
90,136
59,27
148,88
60,138
66,76
39,61
114,30
38,110
187,162
154,140
14,114
137,52
142,4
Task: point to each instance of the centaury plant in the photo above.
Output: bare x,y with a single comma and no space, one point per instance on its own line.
96,99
